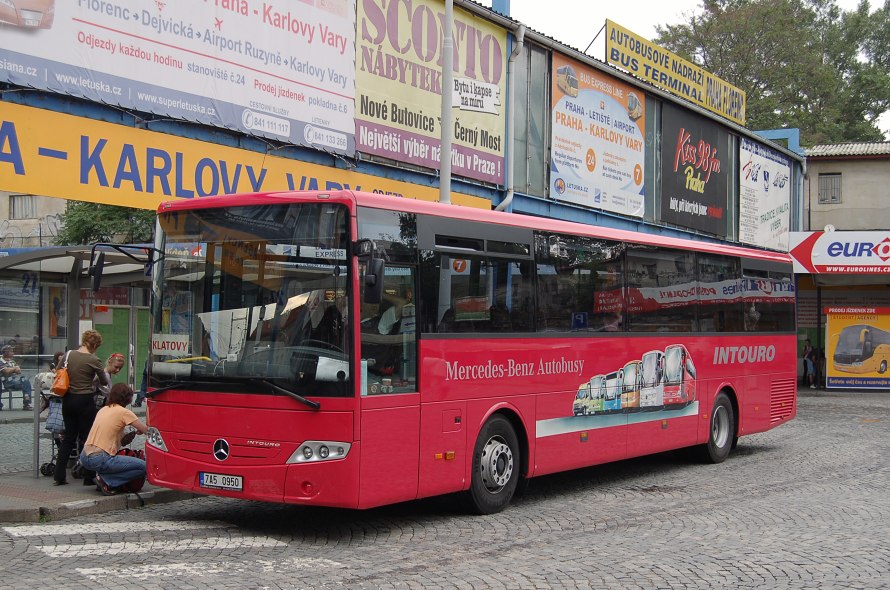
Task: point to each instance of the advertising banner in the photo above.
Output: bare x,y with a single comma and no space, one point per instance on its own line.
841,252
598,138
764,196
399,85
654,64
275,69
693,182
48,153
857,350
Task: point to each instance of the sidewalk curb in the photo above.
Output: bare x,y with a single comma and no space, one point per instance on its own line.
89,506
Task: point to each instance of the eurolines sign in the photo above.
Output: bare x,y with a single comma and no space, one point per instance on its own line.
841,252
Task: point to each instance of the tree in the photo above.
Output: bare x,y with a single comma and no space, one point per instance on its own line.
801,63
88,223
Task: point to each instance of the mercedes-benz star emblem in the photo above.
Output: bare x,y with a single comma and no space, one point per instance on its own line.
221,449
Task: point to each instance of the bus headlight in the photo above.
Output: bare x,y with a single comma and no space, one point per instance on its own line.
319,450
153,437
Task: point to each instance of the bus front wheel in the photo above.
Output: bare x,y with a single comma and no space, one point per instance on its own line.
722,432
495,467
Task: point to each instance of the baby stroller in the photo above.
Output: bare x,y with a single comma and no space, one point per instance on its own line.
56,427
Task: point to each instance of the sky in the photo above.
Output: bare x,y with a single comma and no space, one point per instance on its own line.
577,22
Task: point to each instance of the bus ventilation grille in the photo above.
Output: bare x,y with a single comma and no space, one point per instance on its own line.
782,398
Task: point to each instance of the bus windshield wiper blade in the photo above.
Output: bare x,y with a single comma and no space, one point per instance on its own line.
308,402
293,394
160,390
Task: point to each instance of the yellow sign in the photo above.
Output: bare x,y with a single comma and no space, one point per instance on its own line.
654,64
57,155
398,84
857,347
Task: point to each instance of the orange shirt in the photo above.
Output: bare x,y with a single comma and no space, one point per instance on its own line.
109,427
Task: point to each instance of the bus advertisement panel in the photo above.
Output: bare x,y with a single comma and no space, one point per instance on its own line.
348,349
858,347
598,137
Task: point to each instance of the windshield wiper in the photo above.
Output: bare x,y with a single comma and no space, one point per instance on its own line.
159,390
289,393
308,402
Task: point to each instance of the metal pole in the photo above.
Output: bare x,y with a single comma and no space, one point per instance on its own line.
447,89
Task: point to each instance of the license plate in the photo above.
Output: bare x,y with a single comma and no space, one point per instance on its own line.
219,481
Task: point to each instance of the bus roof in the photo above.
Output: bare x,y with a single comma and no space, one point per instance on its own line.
408,205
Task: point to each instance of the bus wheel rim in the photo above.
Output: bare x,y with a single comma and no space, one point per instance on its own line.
496,464
720,427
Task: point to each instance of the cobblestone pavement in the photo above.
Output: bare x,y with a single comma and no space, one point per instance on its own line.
804,506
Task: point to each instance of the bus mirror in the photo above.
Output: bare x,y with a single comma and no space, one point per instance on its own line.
95,271
374,280
365,248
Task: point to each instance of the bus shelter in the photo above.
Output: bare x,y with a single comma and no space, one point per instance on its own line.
46,303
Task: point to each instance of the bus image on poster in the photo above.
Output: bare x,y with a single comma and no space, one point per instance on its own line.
679,376
349,349
862,349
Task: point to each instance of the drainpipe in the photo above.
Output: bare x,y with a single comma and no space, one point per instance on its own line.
447,89
509,153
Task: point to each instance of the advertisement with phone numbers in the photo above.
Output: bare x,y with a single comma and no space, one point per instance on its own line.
282,70
598,126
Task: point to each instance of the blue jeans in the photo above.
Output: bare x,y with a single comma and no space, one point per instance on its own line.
116,470
19,383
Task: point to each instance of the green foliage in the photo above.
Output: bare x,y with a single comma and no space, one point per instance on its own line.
801,63
88,223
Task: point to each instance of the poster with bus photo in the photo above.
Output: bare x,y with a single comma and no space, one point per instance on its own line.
857,351
660,381
598,138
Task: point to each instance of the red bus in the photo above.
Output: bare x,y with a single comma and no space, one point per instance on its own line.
353,350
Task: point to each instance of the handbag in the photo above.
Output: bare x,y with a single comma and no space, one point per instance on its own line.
61,381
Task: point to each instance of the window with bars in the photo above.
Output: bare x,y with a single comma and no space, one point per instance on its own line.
22,207
829,189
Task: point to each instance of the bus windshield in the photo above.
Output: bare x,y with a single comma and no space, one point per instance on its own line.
851,341
249,297
674,358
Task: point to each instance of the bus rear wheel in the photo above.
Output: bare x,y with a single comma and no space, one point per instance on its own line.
721,433
495,467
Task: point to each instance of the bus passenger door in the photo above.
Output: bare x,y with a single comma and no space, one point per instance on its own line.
390,436
390,404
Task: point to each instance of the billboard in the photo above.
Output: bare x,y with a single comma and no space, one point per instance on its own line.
693,180
658,66
276,69
857,351
841,252
764,196
399,81
598,139
57,155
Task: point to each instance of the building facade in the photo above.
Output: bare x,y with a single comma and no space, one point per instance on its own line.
191,109
842,252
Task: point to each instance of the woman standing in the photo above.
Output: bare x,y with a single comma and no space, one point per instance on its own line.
113,366
78,405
